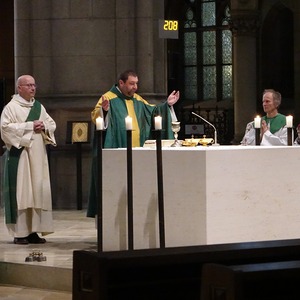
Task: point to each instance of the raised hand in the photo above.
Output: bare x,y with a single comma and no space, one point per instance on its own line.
173,98
105,103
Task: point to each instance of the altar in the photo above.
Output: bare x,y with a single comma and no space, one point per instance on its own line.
212,195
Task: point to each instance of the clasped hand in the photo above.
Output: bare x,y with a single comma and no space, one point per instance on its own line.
264,128
38,126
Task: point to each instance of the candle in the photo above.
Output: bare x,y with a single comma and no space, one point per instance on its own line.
157,123
128,123
257,122
99,123
289,121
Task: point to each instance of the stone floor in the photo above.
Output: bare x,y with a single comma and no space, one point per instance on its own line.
18,279
8,292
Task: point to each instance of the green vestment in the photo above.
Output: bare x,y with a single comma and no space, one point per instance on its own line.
116,137
276,122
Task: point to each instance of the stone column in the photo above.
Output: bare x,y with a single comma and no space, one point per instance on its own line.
33,42
244,26
144,44
22,38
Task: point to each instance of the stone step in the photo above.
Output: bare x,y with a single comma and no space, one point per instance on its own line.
35,276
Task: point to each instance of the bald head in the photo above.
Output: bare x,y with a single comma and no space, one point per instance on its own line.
26,87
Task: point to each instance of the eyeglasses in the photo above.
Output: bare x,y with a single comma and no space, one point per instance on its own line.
29,85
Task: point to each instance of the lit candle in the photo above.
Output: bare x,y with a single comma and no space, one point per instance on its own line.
257,122
289,121
128,123
99,123
157,123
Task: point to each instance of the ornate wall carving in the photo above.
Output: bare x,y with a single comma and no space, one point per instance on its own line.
245,23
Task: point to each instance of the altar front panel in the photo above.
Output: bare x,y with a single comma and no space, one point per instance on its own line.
184,198
253,194
211,195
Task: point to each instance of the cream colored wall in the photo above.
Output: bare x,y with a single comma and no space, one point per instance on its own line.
75,50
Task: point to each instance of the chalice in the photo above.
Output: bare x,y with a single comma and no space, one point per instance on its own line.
176,129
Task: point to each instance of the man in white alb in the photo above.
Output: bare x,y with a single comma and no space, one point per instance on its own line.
26,128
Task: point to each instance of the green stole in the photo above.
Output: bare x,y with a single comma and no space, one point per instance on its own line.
11,170
276,122
115,135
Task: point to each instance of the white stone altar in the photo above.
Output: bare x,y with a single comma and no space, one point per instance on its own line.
212,195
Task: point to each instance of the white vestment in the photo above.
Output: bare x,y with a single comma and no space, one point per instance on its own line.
33,194
278,138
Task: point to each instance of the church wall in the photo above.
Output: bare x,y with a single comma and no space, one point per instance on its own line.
75,50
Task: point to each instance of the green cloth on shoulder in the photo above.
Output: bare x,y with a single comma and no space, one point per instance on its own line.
276,123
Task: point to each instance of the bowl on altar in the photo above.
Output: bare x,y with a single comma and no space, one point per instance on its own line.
190,142
205,141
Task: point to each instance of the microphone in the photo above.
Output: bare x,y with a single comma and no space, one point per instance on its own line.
215,139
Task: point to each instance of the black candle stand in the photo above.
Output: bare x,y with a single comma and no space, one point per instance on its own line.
257,136
289,136
129,191
160,188
100,191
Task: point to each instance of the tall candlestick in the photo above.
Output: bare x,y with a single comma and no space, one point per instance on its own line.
99,123
100,191
157,123
128,123
289,121
257,136
160,188
290,136
257,122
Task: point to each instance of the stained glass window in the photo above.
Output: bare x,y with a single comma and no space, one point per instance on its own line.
190,55
191,82
209,47
227,82
209,82
207,51
208,13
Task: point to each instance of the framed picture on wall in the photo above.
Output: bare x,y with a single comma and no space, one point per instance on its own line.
78,132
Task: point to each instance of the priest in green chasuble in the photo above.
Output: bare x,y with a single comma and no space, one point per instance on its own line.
118,103
122,101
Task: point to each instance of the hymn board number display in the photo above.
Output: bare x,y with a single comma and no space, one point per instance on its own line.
168,29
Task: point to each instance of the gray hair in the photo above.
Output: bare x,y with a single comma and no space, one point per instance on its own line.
276,96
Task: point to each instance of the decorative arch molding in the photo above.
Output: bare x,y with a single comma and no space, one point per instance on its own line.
244,4
244,23
245,17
